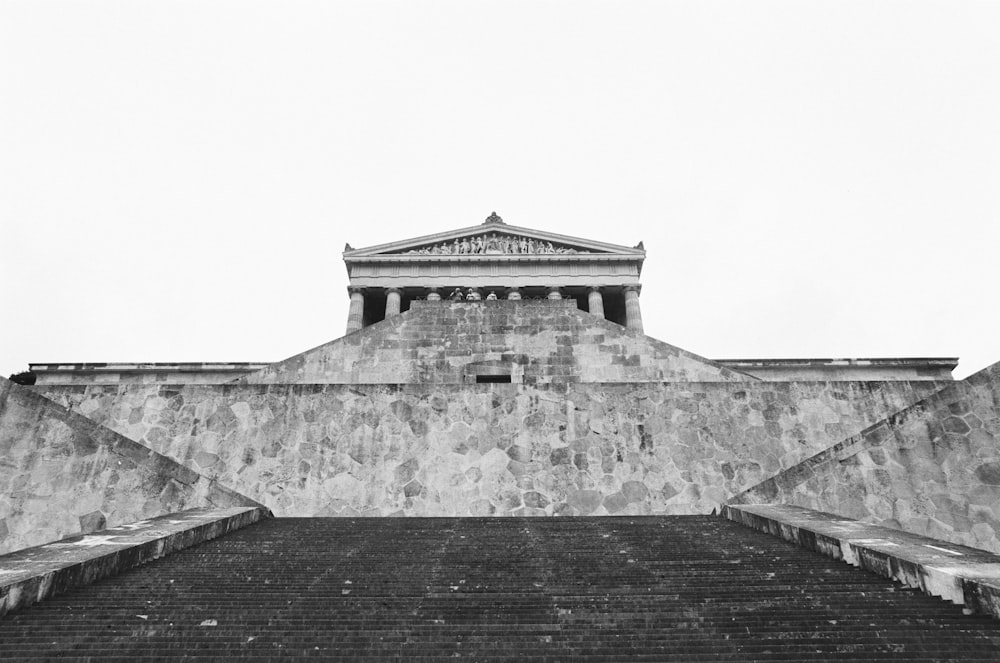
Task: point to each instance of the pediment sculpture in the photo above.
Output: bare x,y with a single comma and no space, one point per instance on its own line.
492,244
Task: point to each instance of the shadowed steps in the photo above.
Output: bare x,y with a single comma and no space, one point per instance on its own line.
554,589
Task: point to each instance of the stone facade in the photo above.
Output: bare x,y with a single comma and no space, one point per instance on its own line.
63,474
932,469
491,449
530,342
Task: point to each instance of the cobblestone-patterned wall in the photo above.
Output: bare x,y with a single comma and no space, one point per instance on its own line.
62,474
491,449
535,342
932,469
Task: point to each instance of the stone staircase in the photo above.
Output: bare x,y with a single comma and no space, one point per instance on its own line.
691,588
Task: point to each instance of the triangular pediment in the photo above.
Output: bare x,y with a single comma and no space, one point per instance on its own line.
492,238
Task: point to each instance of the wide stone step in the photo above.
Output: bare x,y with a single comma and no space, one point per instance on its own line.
577,589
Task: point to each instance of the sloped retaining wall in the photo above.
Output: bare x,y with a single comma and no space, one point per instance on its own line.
63,474
931,469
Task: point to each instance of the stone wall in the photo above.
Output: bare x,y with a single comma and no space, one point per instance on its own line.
932,469
478,449
534,342
63,474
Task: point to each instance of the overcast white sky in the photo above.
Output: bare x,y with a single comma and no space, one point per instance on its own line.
811,179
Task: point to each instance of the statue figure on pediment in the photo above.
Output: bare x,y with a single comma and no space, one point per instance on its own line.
531,245
523,245
549,248
491,243
480,245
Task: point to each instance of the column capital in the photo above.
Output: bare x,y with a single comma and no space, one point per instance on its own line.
635,287
394,289
554,292
355,290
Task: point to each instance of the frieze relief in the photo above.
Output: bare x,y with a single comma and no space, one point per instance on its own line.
493,244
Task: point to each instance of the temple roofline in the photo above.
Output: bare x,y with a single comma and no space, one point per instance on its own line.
379,250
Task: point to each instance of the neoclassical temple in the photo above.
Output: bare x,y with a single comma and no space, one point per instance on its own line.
487,264
502,370
499,371
494,261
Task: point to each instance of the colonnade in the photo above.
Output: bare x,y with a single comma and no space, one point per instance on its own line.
394,296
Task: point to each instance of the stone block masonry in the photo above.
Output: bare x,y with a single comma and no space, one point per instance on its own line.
62,474
491,449
528,342
931,469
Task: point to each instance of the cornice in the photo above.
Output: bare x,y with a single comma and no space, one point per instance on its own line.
496,257
599,248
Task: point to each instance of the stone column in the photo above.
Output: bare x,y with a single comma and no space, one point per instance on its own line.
355,316
555,293
392,300
595,301
513,294
433,295
633,316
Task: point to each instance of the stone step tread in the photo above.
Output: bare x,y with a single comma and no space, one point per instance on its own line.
642,588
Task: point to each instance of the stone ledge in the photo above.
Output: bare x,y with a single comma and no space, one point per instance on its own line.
30,575
965,576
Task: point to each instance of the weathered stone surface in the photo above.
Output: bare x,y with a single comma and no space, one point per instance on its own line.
535,342
36,573
931,469
63,474
631,449
965,576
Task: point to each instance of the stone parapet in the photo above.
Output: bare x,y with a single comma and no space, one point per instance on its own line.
142,372
962,575
33,574
878,368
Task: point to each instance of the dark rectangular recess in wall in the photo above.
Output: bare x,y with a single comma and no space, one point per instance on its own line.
503,379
